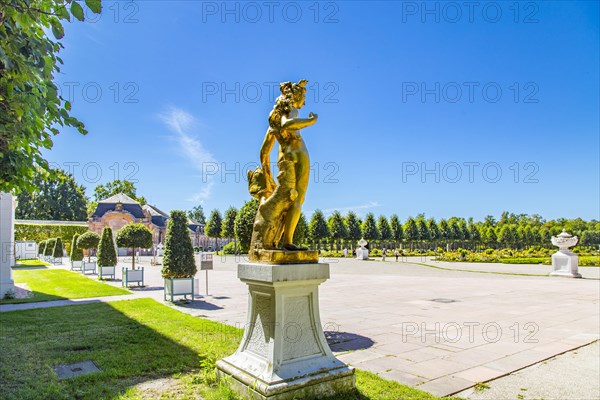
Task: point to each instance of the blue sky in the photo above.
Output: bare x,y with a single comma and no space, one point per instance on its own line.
430,108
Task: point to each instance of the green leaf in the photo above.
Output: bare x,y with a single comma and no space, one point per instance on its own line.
94,5
77,11
62,13
57,28
68,105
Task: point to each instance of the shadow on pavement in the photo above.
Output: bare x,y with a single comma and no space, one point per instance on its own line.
346,341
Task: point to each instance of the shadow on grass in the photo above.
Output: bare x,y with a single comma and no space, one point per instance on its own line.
129,341
27,267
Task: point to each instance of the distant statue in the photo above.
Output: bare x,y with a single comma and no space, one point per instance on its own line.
281,203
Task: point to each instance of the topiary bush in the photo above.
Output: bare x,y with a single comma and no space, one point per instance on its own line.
107,255
89,241
41,247
178,261
76,252
49,250
58,250
134,236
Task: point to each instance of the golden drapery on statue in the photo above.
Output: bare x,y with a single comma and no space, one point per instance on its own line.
281,202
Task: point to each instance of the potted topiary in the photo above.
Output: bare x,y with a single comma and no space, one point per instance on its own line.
179,265
49,250
134,236
107,255
58,251
41,248
76,255
89,241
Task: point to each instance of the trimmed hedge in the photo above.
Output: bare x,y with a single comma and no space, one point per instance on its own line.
76,252
107,256
178,261
49,249
58,248
39,232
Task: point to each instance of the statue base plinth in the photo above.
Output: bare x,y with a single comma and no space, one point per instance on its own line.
566,264
284,256
284,354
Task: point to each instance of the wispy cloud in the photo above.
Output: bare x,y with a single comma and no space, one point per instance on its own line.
182,123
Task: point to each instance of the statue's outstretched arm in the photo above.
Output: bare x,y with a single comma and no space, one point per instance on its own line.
298,123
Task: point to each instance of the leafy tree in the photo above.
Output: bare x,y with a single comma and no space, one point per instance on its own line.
385,231
492,239
444,230
317,228
228,223
178,261
58,197
423,231
134,236
353,227
107,255
434,232
213,226
411,231
396,229
244,221
58,248
506,235
337,228
590,238
117,186
89,241
301,230
49,250
369,228
31,109
76,252
196,214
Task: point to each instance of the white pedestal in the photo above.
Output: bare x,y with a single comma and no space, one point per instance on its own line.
565,263
362,253
284,354
7,242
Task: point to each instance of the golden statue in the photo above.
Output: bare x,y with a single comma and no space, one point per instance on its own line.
281,203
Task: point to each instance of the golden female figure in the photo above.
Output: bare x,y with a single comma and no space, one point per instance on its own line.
281,203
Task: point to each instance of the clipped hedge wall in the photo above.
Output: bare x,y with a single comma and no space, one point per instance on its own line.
39,232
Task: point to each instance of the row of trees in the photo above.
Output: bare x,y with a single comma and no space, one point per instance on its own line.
337,230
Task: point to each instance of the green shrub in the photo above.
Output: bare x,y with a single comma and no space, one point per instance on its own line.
41,247
76,252
58,250
89,241
134,236
49,250
178,261
107,255
231,248
244,221
39,232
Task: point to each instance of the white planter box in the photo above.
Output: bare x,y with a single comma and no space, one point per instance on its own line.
106,271
179,287
133,276
76,265
89,267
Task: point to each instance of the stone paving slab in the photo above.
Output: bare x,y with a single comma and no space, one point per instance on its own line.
494,325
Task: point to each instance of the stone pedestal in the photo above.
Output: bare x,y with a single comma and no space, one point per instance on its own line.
7,242
362,253
284,354
565,263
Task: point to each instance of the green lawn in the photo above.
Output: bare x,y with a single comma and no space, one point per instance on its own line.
59,284
31,263
131,341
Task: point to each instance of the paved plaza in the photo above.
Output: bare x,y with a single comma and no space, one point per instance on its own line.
439,329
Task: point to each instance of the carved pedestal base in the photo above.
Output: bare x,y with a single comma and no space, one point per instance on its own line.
284,354
565,264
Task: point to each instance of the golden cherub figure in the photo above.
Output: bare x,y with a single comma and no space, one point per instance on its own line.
281,203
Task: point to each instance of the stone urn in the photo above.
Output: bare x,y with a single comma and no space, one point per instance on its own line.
362,253
565,262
